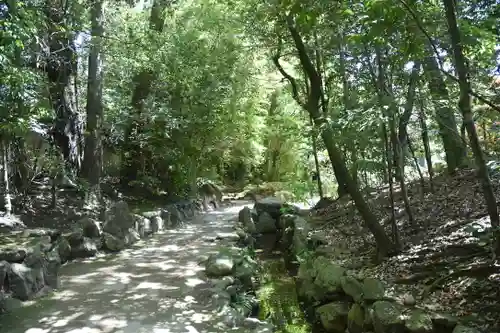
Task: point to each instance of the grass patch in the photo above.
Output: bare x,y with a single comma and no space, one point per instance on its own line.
278,299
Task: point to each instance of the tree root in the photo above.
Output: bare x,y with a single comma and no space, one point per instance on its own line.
482,270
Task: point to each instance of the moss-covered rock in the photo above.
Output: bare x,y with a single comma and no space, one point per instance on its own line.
352,287
373,289
328,276
356,319
387,317
333,316
419,322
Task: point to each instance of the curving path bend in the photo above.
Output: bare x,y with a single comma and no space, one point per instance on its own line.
158,286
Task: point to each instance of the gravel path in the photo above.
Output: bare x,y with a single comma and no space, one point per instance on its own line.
158,286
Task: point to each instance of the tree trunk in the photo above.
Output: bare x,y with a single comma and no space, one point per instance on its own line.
396,239
346,99
61,70
384,244
417,166
465,107
316,160
133,159
386,96
6,181
452,143
91,168
426,144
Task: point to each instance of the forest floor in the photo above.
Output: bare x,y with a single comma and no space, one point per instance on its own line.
446,263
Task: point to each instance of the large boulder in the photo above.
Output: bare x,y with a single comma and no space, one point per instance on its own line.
274,207
132,237
63,249
91,228
245,218
112,243
328,277
118,220
387,317
4,271
352,287
265,224
419,322
356,319
12,254
373,289
175,215
87,248
333,316
24,282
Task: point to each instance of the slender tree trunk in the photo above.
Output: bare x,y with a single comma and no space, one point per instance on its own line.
396,239
384,244
316,160
346,99
452,142
426,144
6,181
385,94
465,108
91,168
417,166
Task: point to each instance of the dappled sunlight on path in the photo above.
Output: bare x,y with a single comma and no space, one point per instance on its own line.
157,286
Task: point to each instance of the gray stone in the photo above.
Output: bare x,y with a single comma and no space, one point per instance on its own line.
265,224
52,266
245,217
156,224
90,227
387,317
112,243
12,254
132,237
63,248
4,271
24,281
118,220
219,265
87,248
274,207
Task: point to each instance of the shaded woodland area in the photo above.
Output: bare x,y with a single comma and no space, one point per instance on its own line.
387,110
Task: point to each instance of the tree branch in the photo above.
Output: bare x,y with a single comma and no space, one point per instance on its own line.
291,79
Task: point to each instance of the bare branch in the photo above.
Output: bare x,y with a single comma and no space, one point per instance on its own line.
291,79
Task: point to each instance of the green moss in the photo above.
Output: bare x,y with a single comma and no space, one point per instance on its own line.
278,299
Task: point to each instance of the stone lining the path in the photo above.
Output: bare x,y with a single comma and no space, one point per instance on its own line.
337,301
30,259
